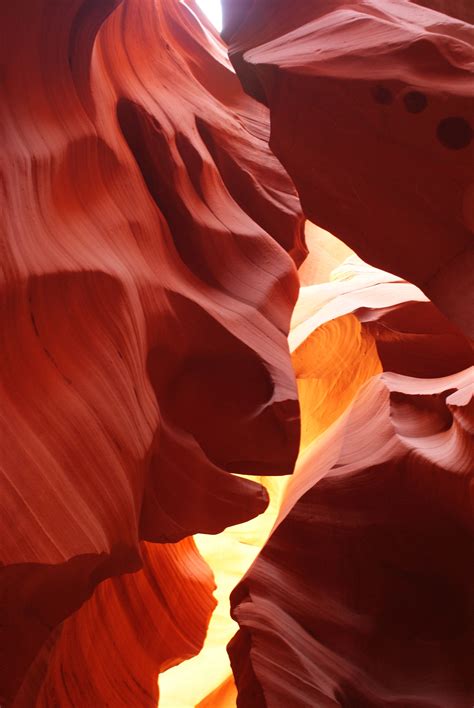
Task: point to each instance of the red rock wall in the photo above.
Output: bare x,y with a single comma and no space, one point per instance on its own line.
362,595
372,115
146,298
150,245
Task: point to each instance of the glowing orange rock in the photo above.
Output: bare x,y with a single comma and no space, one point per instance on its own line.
225,696
151,238
330,367
346,603
145,302
362,596
340,337
412,335
109,653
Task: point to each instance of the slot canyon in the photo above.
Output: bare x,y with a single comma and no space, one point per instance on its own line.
237,324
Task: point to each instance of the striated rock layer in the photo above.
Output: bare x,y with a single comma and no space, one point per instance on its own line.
146,297
150,240
362,596
345,330
110,652
372,114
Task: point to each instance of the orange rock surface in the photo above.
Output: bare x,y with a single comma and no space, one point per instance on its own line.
363,589
146,299
110,652
202,433
363,594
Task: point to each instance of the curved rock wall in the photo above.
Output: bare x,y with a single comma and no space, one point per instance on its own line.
371,108
146,299
150,246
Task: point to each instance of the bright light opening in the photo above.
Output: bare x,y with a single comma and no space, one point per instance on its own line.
213,10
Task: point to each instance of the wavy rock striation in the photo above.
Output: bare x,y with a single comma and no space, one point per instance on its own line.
110,652
381,144
362,596
150,240
146,298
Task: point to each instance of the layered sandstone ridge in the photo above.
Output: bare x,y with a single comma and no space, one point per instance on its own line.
146,297
381,144
362,594
170,475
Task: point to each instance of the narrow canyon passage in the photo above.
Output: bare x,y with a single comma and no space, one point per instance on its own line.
237,317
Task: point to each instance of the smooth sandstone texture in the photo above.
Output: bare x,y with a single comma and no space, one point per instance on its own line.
149,244
110,652
146,297
344,332
363,594
372,114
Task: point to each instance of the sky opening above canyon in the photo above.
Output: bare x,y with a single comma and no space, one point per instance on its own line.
213,10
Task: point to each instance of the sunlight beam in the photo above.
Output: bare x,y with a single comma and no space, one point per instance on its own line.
213,10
